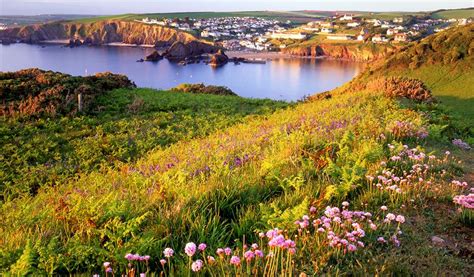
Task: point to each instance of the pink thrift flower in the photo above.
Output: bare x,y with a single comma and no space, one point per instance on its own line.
197,265
202,246
190,249
384,208
400,219
235,260
108,269
390,217
351,247
162,262
168,252
228,251
106,264
249,255
259,253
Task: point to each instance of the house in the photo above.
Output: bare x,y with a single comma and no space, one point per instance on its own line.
347,17
398,20
401,37
391,32
353,24
326,30
374,22
296,36
329,24
378,38
363,34
340,37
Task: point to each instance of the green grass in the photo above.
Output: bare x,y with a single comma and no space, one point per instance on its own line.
460,13
46,151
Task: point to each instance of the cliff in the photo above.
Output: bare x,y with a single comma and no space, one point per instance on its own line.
354,52
99,33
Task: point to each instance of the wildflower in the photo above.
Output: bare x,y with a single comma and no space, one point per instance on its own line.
259,253
373,226
351,247
142,274
461,144
361,244
136,257
197,265
381,240
202,246
106,264
235,260
108,270
312,210
390,217
261,235
168,252
321,230
190,249
220,251
447,153
249,255
228,251
292,250
211,260
400,219
129,256
162,262
254,246
345,204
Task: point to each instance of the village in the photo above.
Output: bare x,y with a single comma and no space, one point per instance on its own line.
259,34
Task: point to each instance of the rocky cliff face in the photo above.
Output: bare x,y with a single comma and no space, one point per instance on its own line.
99,33
349,52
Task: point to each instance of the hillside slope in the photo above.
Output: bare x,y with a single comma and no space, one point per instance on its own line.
358,183
444,62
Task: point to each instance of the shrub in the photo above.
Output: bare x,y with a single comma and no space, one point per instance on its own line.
203,89
402,87
35,92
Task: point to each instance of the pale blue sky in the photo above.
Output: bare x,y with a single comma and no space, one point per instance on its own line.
143,6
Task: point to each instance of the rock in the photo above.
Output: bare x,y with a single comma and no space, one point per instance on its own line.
437,241
153,57
180,51
219,59
74,43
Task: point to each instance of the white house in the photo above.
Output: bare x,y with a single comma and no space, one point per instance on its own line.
340,37
326,30
398,20
297,36
347,17
379,39
353,24
401,37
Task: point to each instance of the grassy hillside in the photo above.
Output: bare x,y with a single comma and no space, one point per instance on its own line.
122,127
459,13
357,183
444,62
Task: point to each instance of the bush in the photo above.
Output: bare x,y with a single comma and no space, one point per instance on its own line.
402,87
35,92
203,89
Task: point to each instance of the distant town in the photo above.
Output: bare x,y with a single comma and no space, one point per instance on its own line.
260,34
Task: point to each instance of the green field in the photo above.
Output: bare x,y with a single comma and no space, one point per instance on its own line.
447,14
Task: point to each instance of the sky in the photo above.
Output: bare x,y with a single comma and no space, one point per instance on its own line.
34,7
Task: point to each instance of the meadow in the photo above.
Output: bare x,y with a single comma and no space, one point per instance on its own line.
356,181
